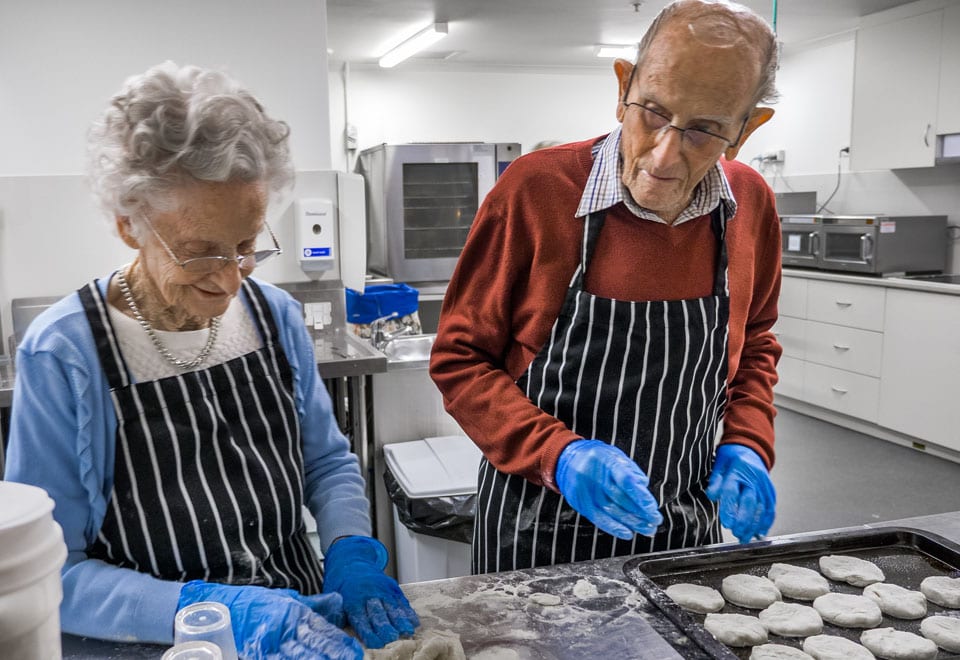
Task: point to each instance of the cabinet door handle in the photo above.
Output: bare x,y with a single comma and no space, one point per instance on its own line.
843,303
926,136
838,390
841,347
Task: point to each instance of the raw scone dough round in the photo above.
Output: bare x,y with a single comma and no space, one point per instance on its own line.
696,598
896,601
751,591
798,582
831,647
944,631
777,652
848,610
896,644
791,620
429,645
546,600
942,590
852,570
736,629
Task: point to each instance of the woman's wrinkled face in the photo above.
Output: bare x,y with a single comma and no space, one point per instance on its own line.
210,219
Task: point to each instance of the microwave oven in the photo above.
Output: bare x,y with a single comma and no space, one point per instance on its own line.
421,202
874,244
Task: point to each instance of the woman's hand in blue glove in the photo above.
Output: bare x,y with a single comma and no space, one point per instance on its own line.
278,623
741,482
374,604
605,486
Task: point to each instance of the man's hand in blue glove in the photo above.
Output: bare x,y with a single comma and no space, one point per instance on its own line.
741,482
272,623
605,486
372,600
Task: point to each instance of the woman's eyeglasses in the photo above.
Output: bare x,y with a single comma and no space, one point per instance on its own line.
207,265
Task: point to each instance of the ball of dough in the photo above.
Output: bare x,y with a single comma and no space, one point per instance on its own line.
942,590
852,570
791,620
696,598
896,644
777,652
896,601
751,591
944,631
848,610
736,629
831,647
798,582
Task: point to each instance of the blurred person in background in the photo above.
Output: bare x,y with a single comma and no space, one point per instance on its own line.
606,336
173,409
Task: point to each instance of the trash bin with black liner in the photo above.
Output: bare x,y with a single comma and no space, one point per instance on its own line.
432,484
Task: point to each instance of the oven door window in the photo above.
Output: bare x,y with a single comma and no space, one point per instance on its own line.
843,247
440,201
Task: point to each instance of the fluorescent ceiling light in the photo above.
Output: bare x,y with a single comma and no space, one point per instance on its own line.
422,39
626,51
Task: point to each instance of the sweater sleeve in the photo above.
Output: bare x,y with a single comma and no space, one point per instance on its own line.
333,485
750,411
484,312
61,426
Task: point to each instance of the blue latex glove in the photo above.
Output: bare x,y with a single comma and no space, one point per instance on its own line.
279,623
606,487
372,600
741,482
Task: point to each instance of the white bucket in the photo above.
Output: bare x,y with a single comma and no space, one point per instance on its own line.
32,553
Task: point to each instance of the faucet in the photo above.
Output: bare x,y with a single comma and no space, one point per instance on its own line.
380,338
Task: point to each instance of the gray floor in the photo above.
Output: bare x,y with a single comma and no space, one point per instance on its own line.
827,476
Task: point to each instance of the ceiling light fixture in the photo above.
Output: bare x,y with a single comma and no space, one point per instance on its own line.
626,51
422,39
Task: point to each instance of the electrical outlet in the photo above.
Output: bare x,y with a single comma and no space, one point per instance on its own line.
777,156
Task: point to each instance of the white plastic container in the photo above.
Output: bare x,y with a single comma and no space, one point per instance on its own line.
32,553
433,467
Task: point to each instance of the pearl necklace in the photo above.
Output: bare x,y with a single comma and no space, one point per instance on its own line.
161,348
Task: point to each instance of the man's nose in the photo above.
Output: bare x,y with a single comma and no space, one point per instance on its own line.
668,143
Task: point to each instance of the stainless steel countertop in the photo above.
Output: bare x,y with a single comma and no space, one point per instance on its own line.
871,280
600,614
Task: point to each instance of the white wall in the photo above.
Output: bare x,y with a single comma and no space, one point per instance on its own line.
59,64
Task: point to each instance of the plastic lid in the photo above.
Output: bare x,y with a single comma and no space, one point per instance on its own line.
193,651
22,505
435,466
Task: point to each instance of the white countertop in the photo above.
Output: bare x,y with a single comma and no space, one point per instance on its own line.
873,280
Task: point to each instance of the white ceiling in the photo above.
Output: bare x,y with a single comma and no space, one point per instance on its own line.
504,33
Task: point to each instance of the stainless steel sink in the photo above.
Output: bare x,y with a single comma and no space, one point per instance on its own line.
410,350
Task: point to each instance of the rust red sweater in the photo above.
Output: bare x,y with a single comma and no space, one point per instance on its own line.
510,281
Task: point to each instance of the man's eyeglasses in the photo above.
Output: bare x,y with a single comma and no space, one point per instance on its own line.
693,139
207,265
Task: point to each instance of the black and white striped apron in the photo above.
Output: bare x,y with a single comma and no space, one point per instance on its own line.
647,377
208,468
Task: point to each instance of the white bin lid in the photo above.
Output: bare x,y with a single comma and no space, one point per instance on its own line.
435,466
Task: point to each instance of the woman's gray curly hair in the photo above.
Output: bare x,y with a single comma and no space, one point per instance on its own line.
172,125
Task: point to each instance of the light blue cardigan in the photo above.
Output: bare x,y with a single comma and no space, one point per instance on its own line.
62,437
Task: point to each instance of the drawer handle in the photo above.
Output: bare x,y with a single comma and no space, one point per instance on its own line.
841,347
843,303
838,390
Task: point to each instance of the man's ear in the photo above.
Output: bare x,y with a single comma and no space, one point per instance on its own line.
125,231
624,71
758,117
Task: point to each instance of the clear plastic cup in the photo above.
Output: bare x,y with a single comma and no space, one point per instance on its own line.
193,651
206,622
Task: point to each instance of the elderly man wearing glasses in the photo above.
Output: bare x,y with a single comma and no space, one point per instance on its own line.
173,410
609,318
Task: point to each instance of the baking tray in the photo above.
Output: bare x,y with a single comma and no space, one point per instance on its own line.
906,555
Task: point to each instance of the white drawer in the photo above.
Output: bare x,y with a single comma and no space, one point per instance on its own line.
790,383
843,391
791,333
852,305
845,348
793,297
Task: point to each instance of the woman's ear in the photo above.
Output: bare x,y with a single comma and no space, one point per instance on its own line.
126,231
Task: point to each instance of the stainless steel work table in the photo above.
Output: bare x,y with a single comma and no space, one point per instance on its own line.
601,613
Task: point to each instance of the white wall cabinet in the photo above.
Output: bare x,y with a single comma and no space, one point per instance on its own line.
895,93
948,111
920,392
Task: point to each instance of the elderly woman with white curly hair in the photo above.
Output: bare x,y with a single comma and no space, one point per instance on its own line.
173,409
